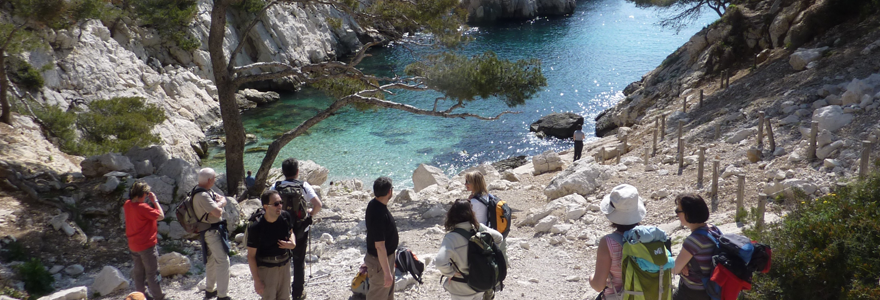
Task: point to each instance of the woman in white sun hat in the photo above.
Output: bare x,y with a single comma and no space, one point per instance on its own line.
625,209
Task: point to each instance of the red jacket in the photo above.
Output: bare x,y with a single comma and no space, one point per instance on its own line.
140,225
730,284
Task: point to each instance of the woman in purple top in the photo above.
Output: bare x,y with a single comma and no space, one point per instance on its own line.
695,260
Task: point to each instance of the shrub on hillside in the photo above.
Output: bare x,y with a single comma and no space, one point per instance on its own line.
827,248
37,280
21,72
59,123
170,18
116,125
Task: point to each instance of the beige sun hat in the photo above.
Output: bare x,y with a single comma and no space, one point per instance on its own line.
623,206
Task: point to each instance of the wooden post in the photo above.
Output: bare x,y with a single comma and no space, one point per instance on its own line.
740,193
624,142
863,162
814,130
727,80
684,104
715,163
722,78
662,126
680,146
701,98
602,155
770,138
762,202
654,146
760,129
700,161
717,131
646,158
619,152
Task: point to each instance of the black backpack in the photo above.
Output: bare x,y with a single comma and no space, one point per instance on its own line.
486,265
293,200
406,261
498,213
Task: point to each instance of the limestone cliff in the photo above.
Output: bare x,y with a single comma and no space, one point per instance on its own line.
93,61
483,11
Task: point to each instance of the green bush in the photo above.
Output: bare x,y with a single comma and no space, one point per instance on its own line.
59,124
21,72
15,252
11,292
117,124
37,280
170,18
827,248
249,6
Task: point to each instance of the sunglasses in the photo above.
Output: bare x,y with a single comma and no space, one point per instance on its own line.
278,203
678,211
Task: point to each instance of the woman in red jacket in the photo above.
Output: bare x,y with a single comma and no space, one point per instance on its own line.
142,213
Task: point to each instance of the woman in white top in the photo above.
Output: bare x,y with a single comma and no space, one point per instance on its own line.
454,249
475,184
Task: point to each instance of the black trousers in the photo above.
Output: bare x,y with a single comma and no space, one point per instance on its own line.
298,259
578,148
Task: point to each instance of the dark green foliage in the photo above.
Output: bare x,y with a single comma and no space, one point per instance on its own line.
442,18
117,124
827,248
11,292
249,6
14,252
22,73
464,78
342,87
59,124
37,280
58,14
170,18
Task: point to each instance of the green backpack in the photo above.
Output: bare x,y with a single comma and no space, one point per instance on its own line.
647,270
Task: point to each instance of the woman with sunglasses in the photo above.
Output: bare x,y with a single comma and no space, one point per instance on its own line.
694,262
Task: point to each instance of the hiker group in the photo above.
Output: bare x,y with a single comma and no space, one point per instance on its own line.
471,255
635,261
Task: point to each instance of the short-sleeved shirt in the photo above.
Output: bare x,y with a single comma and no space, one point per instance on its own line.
480,210
308,191
141,225
702,248
578,135
203,204
264,235
380,228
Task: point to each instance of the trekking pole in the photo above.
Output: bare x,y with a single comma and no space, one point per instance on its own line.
309,241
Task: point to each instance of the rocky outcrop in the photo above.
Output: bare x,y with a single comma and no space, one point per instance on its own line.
582,178
173,263
257,97
108,281
425,176
484,11
558,125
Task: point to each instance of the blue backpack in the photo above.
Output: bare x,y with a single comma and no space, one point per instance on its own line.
738,254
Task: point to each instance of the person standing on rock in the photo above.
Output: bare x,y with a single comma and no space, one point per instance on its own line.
249,181
578,142
214,240
268,242
454,249
292,192
694,262
382,241
625,209
142,212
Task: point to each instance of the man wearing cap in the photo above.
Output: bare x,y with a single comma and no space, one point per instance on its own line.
625,209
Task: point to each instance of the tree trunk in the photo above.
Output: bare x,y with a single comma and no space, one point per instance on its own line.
223,78
6,115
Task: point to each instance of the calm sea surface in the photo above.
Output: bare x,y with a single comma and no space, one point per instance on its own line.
588,58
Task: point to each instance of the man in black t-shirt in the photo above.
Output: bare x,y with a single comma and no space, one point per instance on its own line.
268,240
382,241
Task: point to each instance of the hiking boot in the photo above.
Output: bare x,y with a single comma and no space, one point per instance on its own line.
209,295
301,297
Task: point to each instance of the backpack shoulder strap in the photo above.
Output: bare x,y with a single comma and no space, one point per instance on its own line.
197,189
617,237
482,200
704,232
467,234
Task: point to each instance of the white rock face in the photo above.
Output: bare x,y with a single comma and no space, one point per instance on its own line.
426,175
173,263
824,137
582,178
76,293
102,164
162,186
406,196
312,172
570,206
741,135
548,161
108,281
545,224
831,118
800,58
184,174
510,176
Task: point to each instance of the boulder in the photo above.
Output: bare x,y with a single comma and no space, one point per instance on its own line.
560,228
173,263
59,220
510,176
345,187
143,168
426,175
545,224
163,228
849,97
753,154
558,125
831,118
257,97
548,161
162,186
312,172
581,178
74,270
829,163
800,58
866,101
488,171
500,185
176,231
741,135
249,206
99,165
824,137
75,293
232,213
821,103
108,281
406,196
185,175
806,186
824,152
790,119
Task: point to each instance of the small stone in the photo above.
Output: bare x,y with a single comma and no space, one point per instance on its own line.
56,269
663,172
108,281
560,228
525,245
96,239
829,163
779,151
67,229
545,224
574,278
754,155
327,238
239,238
533,280
74,270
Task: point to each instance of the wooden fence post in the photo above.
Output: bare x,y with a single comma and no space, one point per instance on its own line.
654,146
684,104
717,131
762,202
864,161
624,142
740,194
760,129
715,163
701,98
771,139
647,162
814,131
727,80
602,155
680,146
722,78
662,126
619,152
700,161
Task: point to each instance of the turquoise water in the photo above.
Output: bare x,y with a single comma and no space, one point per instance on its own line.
588,58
